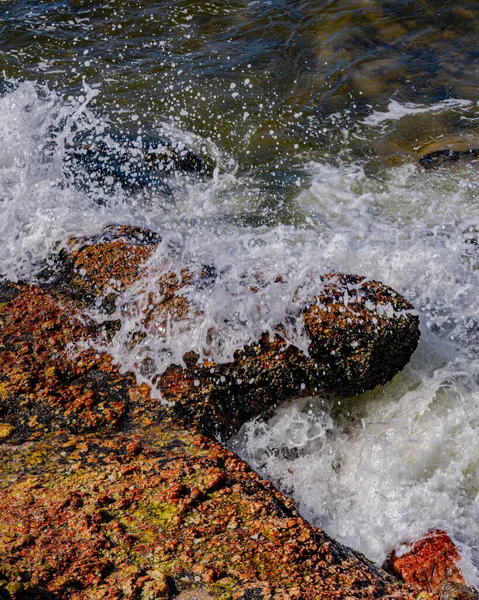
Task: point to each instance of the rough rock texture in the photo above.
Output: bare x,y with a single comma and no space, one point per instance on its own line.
457,591
362,333
430,562
105,492
158,510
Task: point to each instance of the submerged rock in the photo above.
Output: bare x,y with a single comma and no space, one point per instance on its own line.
133,164
439,157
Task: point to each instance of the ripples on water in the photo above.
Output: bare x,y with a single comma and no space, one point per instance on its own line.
314,115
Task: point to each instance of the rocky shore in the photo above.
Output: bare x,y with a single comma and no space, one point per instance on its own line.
108,491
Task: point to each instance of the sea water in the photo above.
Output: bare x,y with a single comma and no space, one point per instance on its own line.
313,119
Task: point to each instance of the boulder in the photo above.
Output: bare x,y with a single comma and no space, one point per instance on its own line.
158,511
361,334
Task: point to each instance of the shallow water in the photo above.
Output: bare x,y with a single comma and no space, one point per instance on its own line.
313,116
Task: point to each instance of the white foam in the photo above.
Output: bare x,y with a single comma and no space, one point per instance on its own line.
403,459
397,111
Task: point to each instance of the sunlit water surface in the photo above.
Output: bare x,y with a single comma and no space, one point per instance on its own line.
313,116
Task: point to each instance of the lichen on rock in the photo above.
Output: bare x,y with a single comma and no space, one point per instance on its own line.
158,511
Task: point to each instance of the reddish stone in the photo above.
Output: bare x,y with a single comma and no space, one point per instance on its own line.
430,563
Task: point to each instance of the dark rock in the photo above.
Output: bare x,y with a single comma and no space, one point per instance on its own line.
362,333
439,157
133,164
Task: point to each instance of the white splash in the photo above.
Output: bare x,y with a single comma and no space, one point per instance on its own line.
396,110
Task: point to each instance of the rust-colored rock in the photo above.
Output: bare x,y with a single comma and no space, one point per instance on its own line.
44,382
362,333
430,563
106,492
101,265
83,519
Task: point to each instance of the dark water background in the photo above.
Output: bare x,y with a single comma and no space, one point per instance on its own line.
288,65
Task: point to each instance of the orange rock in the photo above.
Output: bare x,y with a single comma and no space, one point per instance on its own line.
430,563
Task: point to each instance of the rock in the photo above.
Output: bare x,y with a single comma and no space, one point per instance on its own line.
86,269
182,515
107,492
44,386
439,157
6,430
105,162
351,351
430,563
457,591
362,333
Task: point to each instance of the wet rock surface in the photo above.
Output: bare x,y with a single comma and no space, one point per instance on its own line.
432,562
107,492
362,333
159,510
440,157
457,591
